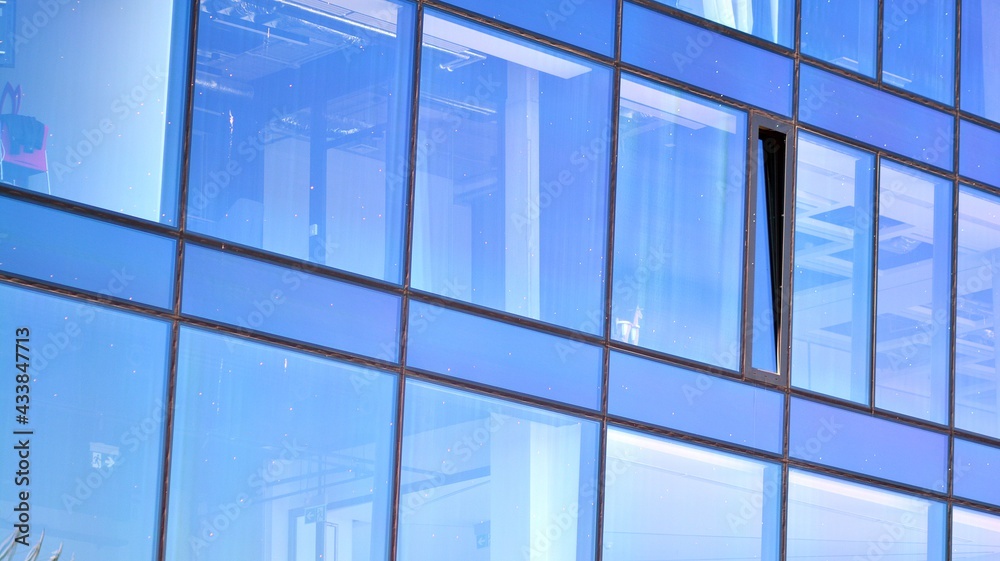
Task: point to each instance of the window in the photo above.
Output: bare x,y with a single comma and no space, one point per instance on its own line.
765,19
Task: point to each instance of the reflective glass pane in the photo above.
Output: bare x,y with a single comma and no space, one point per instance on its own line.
841,32
278,455
291,303
299,142
981,58
876,117
94,405
679,212
585,23
88,254
978,149
503,355
705,59
918,47
912,335
695,403
767,19
974,535
487,479
977,470
832,283
833,519
87,115
672,501
512,175
977,380
869,445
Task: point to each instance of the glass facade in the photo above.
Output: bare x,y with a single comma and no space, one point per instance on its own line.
566,280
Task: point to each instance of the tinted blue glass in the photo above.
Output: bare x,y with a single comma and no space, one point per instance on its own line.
918,47
486,479
981,58
974,535
912,324
278,455
673,501
290,303
833,519
977,381
503,355
977,470
764,343
512,175
978,149
876,117
765,19
99,141
832,283
869,445
587,24
679,224
87,254
707,60
300,133
96,394
696,403
841,32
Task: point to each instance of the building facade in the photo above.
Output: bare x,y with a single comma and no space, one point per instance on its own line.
609,280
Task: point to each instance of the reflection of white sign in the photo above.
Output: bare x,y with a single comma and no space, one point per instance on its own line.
315,514
103,455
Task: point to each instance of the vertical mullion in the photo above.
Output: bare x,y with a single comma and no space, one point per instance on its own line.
178,280
394,494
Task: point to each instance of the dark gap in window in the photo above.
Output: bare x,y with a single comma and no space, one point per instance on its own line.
769,224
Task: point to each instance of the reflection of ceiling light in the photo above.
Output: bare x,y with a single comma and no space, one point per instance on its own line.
674,108
677,450
501,48
854,491
900,245
381,21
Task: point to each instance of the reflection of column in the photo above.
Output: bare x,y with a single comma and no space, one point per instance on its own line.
940,303
994,384
861,284
510,492
770,539
521,192
554,495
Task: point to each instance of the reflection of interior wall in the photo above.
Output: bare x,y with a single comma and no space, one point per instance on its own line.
356,212
286,198
120,170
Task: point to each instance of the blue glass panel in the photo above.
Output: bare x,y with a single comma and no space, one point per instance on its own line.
977,380
841,32
833,519
868,445
876,117
832,300
918,47
974,535
278,455
700,404
707,60
512,175
586,23
912,329
978,149
503,355
96,118
679,224
977,470
981,58
95,405
300,129
673,501
768,20
290,303
486,479
87,254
